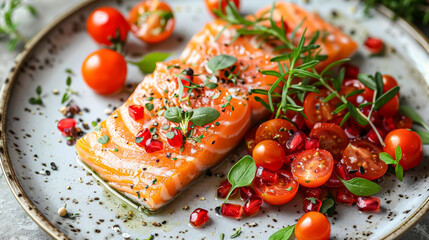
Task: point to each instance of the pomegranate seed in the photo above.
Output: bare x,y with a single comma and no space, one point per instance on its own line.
198,217
177,140
296,142
368,203
246,193
142,137
313,193
345,196
309,206
388,124
154,145
352,132
252,205
351,71
311,143
224,188
266,175
374,45
333,182
65,126
372,136
136,112
341,171
232,210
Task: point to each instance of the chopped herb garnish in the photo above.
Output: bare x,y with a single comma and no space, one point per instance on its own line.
289,188
38,99
170,135
173,66
115,150
236,234
228,99
103,140
312,200
217,123
94,123
154,181
165,127
69,71
68,91
138,194
149,99
97,128
152,130
139,139
149,106
174,158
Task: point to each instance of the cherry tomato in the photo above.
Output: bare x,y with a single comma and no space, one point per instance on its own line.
351,71
353,85
361,157
389,82
374,45
312,168
331,138
313,226
104,71
269,154
105,23
280,193
279,130
402,121
296,117
214,5
318,111
390,108
151,21
411,146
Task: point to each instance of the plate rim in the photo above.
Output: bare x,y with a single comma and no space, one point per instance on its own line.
33,211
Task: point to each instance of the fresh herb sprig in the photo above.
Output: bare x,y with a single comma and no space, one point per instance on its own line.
8,26
385,157
38,99
241,174
283,234
68,92
416,11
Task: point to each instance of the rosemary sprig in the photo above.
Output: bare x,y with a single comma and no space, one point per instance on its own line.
8,27
414,11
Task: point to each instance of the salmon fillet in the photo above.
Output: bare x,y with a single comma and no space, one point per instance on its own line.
153,179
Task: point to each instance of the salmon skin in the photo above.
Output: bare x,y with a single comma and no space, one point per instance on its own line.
151,180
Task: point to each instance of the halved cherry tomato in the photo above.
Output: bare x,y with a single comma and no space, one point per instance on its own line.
411,146
214,5
269,154
249,139
361,157
313,226
312,168
279,130
151,21
296,117
107,26
318,111
104,71
280,193
331,138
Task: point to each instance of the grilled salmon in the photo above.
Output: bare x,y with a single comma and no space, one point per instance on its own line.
153,179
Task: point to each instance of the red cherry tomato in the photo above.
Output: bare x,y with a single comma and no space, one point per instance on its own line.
402,121
353,85
389,82
361,157
214,5
312,168
318,111
249,138
390,108
104,71
313,226
151,21
331,138
280,193
374,45
411,146
269,154
279,130
105,23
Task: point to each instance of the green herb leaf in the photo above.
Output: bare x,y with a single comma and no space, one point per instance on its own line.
103,140
356,115
97,128
398,153
367,80
66,97
236,234
386,97
379,84
283,234
386,158
148,63
312,200
68,81
424,136
149,106
411,113
399,171
220,62
173,114
327,204
241,174
39,90
361,186
204,115
165,127
211,85
222,236
139,139
32,10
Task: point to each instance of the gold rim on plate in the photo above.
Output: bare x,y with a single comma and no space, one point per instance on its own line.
42,221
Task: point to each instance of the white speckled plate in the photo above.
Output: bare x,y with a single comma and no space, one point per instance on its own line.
29,139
